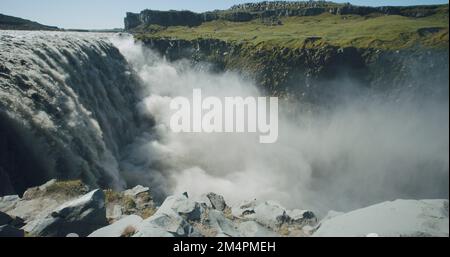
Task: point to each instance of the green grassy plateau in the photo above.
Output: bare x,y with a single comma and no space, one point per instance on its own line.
371,31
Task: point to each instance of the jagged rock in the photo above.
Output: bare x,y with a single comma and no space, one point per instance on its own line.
39,202
11,231
217,201
174,225
204,200
33,211
149,228
57,189
271,214
162,225
254,229
172,218
122,228
223,226
8,202
183,206
397,218
136,191
244,209
80,216
37,191
136,201
302,218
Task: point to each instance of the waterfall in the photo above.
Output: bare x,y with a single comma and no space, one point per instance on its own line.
95,107
67,108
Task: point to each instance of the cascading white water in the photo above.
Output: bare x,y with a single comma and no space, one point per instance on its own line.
78,109
71,97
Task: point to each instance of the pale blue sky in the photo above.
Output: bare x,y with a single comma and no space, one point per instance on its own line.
97,14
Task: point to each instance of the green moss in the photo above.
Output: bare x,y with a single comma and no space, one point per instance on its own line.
71,188
128,203
372,31
147,212
112,196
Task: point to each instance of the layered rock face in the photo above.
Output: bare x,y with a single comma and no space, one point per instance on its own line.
316,74
162,18
248,12
308,8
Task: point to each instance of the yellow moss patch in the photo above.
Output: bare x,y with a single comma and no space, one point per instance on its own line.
71,188
111,196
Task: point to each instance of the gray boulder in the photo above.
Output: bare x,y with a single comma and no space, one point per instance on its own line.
302,218
8,203
271,214
136,191
182,206
217,201
245,209
152,228
80,216
274,216
173,218
254,229
400,218
174,225
125,227
220,224
6,219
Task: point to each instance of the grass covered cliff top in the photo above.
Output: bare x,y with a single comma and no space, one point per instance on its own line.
375,30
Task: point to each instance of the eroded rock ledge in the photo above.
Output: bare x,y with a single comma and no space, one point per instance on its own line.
70,208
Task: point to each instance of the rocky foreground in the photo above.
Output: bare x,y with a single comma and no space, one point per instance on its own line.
70,208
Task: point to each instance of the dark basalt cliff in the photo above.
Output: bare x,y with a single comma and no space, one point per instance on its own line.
317,74
248,12
284,58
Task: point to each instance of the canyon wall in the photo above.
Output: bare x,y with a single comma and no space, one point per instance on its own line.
247,12
315,75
